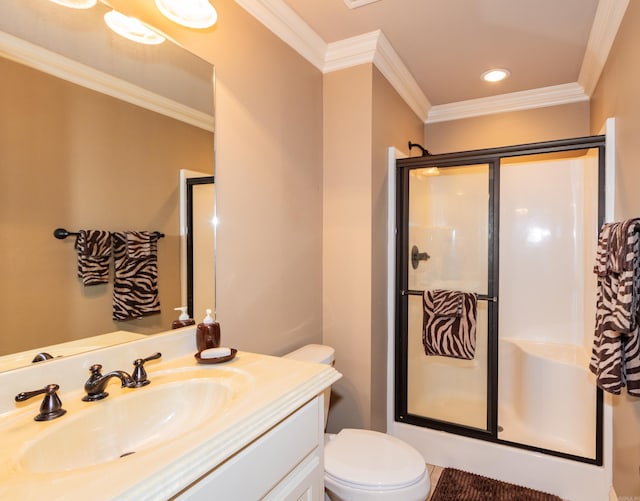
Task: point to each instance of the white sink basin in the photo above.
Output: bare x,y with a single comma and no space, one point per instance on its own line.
124,424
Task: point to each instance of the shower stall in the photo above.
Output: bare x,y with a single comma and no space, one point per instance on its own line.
517,227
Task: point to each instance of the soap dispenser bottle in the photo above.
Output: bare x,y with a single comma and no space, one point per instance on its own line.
208,333
183,319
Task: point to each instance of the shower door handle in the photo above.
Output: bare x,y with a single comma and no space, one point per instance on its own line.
417,256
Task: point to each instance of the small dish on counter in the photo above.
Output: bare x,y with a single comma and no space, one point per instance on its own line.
216,360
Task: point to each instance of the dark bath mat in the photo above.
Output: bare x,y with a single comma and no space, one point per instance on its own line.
457,485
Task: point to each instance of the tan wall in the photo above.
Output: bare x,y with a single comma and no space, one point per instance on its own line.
617,96
268,180
505,129
363,116
73,158
347,241
394,124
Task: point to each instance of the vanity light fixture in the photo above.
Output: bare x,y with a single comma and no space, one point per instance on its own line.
189,13
76,4
495,75
131,28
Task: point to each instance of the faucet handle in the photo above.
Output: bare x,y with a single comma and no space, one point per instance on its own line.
139,374
51,406
41,357
95,370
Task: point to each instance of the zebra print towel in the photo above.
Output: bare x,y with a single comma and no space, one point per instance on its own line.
449,323
615,358
135,283
94,250
139,244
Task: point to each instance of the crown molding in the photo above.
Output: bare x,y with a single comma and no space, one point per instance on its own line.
515,101
350,52
283,21
606,23
370,47
391,66
374,48
605,27
41,59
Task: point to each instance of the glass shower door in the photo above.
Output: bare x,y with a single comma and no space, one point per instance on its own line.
449,248
516,226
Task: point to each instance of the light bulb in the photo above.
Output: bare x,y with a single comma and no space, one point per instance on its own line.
495,75
189,13
131,28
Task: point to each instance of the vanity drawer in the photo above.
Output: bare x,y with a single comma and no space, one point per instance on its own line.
267,464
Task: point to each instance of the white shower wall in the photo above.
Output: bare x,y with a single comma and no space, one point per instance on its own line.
548,223
548,218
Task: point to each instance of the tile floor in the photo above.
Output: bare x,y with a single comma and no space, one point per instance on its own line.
434,475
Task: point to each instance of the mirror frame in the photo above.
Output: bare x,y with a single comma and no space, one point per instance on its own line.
190,229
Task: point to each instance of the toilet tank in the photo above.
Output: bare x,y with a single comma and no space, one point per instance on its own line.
319,354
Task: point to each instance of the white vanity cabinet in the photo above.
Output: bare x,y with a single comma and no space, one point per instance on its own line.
285,463
249,429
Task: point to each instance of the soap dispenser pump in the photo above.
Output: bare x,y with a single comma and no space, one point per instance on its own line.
183,319
207,333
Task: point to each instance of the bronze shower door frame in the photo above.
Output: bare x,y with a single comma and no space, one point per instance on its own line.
491,157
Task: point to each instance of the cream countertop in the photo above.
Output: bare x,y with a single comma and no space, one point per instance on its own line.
273,389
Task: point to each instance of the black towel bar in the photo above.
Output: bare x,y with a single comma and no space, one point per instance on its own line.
61,233
480,297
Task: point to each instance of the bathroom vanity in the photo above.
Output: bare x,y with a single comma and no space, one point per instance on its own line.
249,428
283,464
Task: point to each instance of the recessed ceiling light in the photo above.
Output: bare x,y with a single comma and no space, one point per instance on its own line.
76,4
495,75
132,28
189,13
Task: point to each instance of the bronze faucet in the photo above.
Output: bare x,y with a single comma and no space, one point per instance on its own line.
139,373
97,382
51,406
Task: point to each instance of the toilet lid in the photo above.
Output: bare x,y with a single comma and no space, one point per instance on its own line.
373,460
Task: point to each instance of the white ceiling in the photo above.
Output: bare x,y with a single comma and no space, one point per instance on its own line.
433,51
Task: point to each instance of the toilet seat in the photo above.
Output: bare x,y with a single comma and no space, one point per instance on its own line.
371,460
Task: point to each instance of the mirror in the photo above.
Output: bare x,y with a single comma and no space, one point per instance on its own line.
94,131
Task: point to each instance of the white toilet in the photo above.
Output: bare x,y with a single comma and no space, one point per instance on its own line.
363,465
